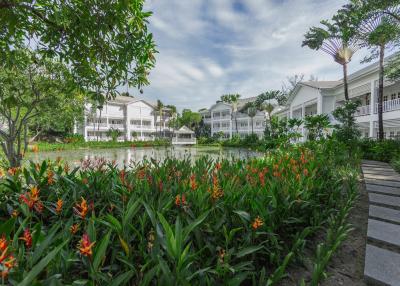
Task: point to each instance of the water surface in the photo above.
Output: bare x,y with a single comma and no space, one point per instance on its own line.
124,156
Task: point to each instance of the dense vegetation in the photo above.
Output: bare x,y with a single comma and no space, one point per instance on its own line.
170,222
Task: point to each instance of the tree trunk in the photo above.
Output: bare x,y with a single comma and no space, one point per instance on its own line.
237,131
380,92
252,126
346,85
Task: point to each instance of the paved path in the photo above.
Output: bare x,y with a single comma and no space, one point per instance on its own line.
382,256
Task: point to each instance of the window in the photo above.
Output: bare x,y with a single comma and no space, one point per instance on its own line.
393,96
391,134
366,134
398,95
135,122
385,98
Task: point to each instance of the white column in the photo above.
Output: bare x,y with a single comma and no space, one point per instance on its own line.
212,123
372,109
127,125
230,124
319,104
248,126
141,123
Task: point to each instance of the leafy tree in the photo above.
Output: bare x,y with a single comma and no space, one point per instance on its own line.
60,117
347,131
190,119
336,38
105,43
316,125
113,134
263,102
233,99
26,90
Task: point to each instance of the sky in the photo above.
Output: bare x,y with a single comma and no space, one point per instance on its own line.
208,48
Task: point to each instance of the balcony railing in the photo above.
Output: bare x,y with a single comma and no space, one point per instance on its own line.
363,110
389,105
117,126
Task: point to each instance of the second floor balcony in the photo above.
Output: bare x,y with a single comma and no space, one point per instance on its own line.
389,105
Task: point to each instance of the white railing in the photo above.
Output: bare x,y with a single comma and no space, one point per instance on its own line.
96,124
389,105
176,140
118,126
363,110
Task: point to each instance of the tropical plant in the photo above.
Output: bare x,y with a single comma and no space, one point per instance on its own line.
114,134
316,126
336,38
377,31
192,222
158,111
232,99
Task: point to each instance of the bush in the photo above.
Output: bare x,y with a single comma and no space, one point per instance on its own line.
167,223
385,150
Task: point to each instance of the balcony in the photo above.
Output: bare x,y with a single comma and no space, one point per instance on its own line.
389,105
117,126
363,110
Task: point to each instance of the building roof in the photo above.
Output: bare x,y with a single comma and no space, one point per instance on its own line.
322,84
184,130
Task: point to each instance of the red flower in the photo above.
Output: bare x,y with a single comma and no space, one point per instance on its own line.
27,237
85,246
50,177
193,184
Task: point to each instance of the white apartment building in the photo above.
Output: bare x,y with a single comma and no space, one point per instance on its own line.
137,119
322,97
221,118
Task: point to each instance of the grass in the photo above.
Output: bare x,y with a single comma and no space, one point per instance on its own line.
45,146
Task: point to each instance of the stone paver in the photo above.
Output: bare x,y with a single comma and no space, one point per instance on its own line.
384,213
383,189
382,266
384,199
378,163
382,183
393,177
384,232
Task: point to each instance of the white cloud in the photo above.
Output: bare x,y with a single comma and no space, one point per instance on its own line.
209,48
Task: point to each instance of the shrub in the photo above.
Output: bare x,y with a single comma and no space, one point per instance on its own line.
384,150
167,223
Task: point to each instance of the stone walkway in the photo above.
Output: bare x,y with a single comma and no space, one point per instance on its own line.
382,256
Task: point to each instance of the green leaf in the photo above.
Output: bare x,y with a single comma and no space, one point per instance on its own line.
7,227
244,215
41,265
248,250
45,243
122,278
100,251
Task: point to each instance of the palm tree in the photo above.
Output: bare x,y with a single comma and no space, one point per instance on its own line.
377,32
251,109
263,102
233,99
172,123
336,39
159,112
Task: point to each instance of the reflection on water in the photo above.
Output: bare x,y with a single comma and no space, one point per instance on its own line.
126,155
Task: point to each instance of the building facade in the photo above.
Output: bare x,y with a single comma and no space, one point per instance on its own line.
323,97
136,119
222,119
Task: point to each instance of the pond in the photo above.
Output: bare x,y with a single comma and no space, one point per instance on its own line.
123,156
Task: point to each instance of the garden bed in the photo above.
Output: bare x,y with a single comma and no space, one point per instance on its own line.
240,222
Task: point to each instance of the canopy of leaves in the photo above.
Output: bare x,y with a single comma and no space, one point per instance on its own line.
105,43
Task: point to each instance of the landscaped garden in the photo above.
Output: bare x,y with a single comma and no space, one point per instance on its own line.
173,222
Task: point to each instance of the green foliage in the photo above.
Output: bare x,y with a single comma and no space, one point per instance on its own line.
104,43
114,134
347,130
317,126
169,222
384,150
281,131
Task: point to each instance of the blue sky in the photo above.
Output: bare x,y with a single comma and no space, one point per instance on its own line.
212,47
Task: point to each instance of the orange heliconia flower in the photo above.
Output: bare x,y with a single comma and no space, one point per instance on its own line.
27,237
74,228
3,243
85,246
66,168
180,200
31,199
85,181
50,177
305,172
10,262
218,166
257,223
193,184
59,206
35,148
13,171
1,173
81,209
